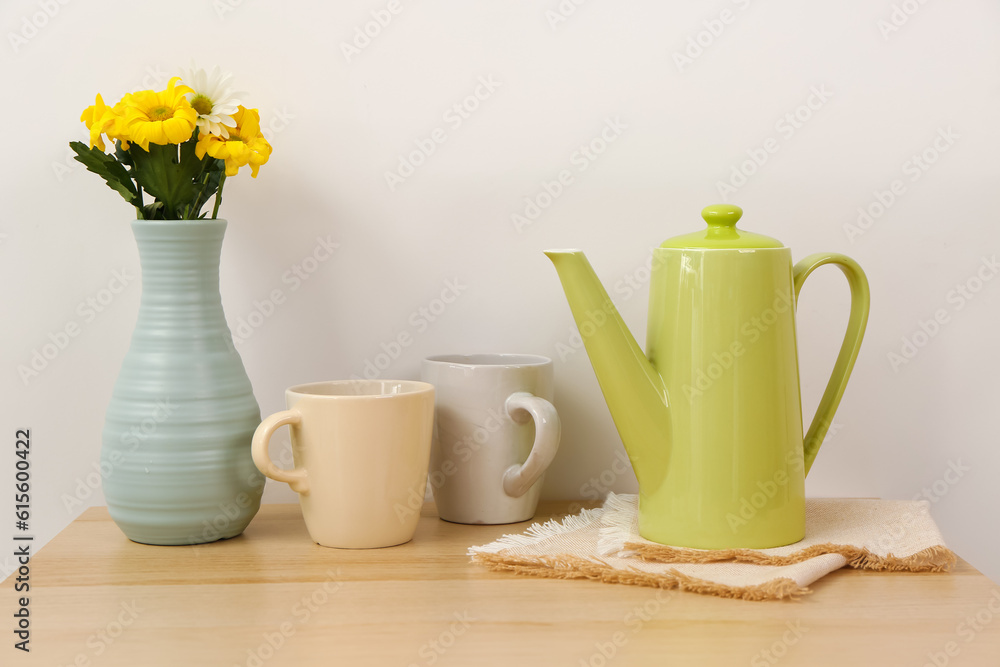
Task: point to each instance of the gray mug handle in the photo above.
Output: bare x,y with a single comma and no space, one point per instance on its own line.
522,406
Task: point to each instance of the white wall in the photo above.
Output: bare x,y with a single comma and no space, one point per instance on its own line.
339,126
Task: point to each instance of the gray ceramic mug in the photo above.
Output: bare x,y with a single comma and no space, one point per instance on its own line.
495,434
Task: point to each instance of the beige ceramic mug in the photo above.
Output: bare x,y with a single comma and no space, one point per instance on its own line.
361,450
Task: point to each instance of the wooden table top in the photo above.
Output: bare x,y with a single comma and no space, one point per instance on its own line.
272,597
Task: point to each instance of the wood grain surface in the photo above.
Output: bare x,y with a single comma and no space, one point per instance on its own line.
272,597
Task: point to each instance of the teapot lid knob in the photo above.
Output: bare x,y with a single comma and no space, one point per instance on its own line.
722,215
722,233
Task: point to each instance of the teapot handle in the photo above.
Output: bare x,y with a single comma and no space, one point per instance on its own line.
860,298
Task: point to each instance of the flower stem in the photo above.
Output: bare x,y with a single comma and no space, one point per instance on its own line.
139,206
218,197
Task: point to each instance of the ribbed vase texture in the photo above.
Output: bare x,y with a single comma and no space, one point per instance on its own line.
176,446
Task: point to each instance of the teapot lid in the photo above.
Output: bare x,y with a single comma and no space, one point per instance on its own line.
722,232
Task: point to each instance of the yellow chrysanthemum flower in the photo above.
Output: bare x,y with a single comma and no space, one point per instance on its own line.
118,130
244,146
102,119
160,118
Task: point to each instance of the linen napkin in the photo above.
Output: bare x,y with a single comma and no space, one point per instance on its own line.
604,545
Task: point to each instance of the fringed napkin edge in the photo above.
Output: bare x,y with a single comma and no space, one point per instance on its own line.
566,566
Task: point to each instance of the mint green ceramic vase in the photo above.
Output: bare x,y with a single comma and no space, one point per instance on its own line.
176,456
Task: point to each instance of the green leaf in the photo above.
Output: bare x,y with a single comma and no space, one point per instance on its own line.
153,211
167,177
107,167
189,161
123,155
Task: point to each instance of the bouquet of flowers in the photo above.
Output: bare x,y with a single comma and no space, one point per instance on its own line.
177,145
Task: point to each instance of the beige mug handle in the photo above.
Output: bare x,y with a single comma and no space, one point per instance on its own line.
521,407
296,478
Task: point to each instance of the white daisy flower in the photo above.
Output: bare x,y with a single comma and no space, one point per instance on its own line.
213,98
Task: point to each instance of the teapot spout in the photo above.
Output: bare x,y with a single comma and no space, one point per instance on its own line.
634,391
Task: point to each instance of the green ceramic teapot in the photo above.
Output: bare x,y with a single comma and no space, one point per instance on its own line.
711,415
